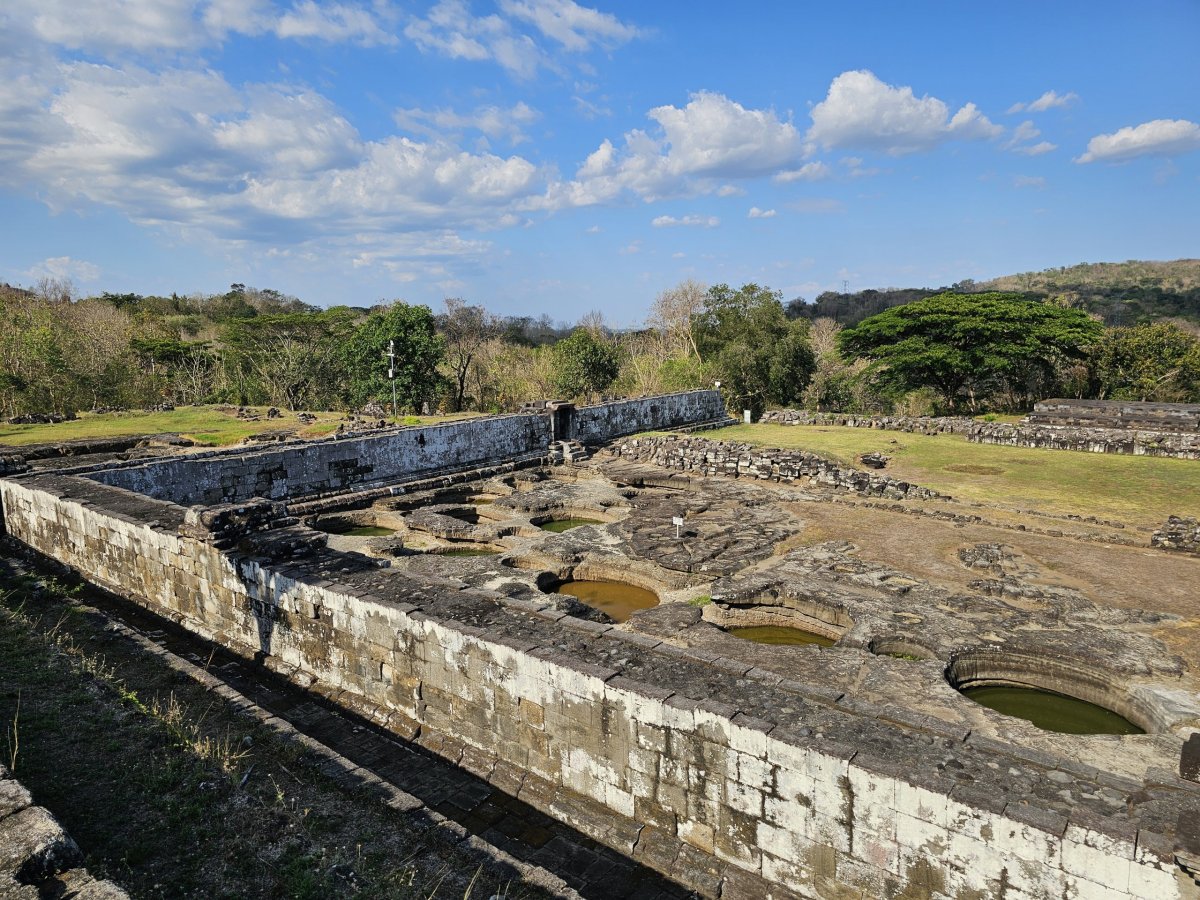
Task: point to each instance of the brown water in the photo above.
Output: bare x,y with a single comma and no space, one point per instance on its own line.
467,551
614,598
780,635
567,524
1050,711
349,529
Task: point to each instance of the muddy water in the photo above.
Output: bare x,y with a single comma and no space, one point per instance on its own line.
613,598
778,634
1052,712
467,551
567,524
348,529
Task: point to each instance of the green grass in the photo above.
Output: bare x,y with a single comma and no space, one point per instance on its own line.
1132,489
206,425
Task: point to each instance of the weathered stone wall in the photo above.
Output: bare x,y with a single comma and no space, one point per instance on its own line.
598,424
1117,414
734,459
728,780
1178,444
1178,533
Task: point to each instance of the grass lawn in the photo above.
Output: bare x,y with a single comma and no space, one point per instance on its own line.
207,425
1137,490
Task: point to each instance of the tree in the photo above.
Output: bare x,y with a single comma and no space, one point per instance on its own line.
972,344
674,314
292,360
419,350
586,363
465,330
1156,361
750,346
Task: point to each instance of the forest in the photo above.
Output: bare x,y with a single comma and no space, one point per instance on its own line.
911,351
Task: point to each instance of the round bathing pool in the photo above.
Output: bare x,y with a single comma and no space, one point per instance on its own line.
1050,711
780,635
567,524
613,598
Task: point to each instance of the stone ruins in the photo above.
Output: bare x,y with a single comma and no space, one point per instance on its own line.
434,581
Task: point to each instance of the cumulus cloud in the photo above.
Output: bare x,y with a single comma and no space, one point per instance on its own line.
64,267
1023,136
711,139
1036,149
1161,137
1048,100
493,121
730,190
860,110
756,213
691,220
332,22
813,171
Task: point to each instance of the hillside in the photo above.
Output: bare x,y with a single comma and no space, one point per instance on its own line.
1120,293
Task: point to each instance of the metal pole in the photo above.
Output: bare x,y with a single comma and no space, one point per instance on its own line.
392,376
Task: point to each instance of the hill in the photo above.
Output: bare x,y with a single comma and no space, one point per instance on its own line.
1120,293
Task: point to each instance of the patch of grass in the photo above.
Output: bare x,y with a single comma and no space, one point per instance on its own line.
700,601
1136,490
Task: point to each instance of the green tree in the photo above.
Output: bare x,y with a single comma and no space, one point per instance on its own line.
419,350
1158,361
971,345
752,348
585,363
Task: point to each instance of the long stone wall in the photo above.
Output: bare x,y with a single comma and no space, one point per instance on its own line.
604,422
1117,414
735,459
1177,444
734,782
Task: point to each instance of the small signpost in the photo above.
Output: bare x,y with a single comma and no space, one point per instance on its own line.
677,521
391,355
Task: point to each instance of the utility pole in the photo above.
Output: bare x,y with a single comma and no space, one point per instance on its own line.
391,355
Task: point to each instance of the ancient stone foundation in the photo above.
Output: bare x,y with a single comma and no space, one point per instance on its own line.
730,779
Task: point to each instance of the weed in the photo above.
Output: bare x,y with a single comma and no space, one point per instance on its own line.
12,736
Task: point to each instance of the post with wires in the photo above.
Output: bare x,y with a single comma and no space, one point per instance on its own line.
391,355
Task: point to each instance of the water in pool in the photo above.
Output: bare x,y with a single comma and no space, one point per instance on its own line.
613,598
568,524
1050,711
467,551
778,634
349,529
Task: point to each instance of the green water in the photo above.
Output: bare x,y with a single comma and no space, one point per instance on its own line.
1052,712
567,524
778,634
614,598
467,551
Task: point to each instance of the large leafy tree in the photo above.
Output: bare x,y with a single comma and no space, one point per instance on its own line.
748,343
965,346
290,360
586,363
466,330
419,350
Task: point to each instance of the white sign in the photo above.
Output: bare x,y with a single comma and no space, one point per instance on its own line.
676,520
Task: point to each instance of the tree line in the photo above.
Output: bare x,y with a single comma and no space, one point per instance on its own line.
949,352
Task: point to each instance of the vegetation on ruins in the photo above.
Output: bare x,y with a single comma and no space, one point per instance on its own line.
909,351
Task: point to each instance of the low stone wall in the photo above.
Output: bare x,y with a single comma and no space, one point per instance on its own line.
37,857
708,457
1176,444
1117,414
606,421
1178,533
735,783
911,424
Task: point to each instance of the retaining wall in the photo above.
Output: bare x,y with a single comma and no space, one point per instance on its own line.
733,782
604,422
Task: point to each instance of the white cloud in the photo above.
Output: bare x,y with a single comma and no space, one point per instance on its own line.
1036,149
691,220
593,229
756,213
730,190
1161,137
332,22
862,111
1033,181
64,267
1048,100
451,30
576,27
712,138
813,171
493,121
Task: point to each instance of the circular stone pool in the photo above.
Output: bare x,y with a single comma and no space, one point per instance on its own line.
779,635
616,599
349,528
1050,711
559,525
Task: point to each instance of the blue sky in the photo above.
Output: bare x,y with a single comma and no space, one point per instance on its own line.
544,156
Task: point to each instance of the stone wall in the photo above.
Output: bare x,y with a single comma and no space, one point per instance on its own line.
1117,414
602,423
1178,533
708,457
1177,444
